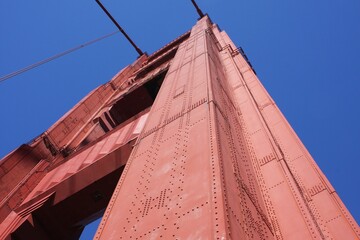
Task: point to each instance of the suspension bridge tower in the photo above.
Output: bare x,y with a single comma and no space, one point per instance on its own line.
184,143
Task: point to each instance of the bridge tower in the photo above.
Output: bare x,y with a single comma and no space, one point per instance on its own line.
184,143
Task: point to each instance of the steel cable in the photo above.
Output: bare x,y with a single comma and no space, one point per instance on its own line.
25,69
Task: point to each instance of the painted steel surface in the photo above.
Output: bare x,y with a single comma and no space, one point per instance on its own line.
87,157
53,186
217,160
80,171
214,158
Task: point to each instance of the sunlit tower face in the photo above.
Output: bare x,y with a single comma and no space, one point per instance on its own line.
182,143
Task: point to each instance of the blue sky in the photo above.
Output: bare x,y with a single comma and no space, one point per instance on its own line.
306,53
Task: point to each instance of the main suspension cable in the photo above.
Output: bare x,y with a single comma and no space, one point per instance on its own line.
25,69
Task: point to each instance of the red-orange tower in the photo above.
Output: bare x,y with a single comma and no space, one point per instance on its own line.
201,150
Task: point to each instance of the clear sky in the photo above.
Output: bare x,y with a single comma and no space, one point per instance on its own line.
306,53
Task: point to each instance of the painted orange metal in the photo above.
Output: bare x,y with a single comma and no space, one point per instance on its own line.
82,169
217,160
53,186
213,159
